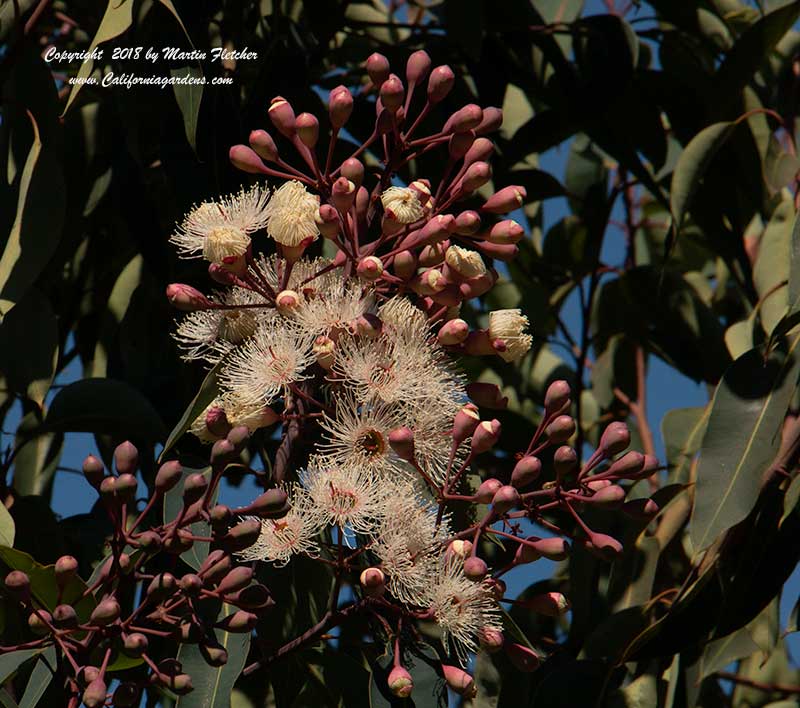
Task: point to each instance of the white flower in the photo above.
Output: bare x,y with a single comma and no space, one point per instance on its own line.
290,535
468,264
276,356
402,205
346,496
461,607
291,214
220,230
509,326
330,304
210,334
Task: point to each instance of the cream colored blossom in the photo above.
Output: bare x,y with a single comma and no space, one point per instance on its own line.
509,326
468,264
402,205
221,229
291,214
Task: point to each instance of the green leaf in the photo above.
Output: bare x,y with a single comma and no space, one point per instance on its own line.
7,701
104,406
692,165
10,662
43,584
189,96
117,19
794,268
7,527
37,225
742,439
173,503
40,679
213,685
682,430
209,390
37,456
771,269
30,364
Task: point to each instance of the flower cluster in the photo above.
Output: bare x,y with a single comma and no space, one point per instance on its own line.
354,349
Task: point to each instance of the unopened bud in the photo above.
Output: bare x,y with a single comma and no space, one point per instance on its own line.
616,437
459,681
307,127
551,604
459,144
243,535
643,509
560,430
126,488
39,622
194,487
492,120
487,395
485,436
282,116
433,254
440,83
453,332
378,69
327,220
270,504
186,298
565,461
400,682
246,159
418,67
468,223
487,489
239,622
94,471
220,516
66,568
216,566
263,145
238,436
343,192
373,581
475,568
392,93
108,488
475,176
506,232
491,639
168,475
505,499
324,350
604,546
526,471
65,617
95,694
236,579
107,612
217,422
214,656
464,119
523,658
405,265
370,268
611,496
340,106
506,200
353,169
162,585
556,397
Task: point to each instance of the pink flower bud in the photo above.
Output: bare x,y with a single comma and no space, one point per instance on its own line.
373,582
464,119
487,395
64,616
556,397
476,175
440,83
282,116
39,623
400,682
370,268
402,442
604,546
240,622
243,535
126,488
108,488
95,694
616,437
468,223
595,484
168,475
610,496
560,430
307,127
460,548
245,159
487,490
433,255
438,228
485,436
478,285
553,548
453,332
263,145
480,151
565,461
506,200
429,282
643,509
418,67
505,252
491,122
270,504
551,604
523,658
383,123
194,486
465,422
236,579
106,612
287,301
66,568
378,69
491,640
93,470
353,169
506,232
459,681
340,106
526,471
186,298
343,192
475,568
392,93
18,584
126,458
479,344
217,422
460,143
505,499
327,221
